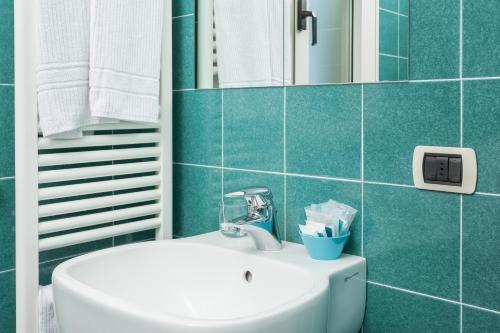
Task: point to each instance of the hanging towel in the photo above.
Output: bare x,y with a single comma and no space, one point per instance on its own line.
47,320
250,42
125,54
64,66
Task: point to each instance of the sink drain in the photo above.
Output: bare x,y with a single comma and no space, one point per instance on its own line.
248,276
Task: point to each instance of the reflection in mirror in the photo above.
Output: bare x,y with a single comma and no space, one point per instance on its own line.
249,43
240,43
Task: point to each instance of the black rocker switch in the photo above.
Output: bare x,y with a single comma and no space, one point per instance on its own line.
430,168
455,169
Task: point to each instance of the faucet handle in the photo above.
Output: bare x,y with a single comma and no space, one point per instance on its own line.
257,198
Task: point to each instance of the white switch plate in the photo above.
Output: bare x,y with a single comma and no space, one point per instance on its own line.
469,169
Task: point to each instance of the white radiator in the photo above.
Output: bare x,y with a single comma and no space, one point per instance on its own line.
102,185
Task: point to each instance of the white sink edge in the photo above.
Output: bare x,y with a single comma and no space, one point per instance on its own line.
65,280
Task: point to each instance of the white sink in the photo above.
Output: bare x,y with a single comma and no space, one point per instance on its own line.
208,283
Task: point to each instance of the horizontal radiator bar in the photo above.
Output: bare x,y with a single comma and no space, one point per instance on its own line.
56,192
89,220
55,242
74,206
100,140
61,175
97,156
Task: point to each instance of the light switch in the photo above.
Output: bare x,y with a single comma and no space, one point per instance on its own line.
447,169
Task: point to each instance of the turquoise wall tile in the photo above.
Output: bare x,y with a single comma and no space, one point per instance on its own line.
389,4
388,33
479,321
7,41
399,117
404,7
197,193
481,251
182,7
404,27
197,126
8,302
7,224
236,180
481,38
301,192
481,124
408,234
393,311
388,68
403,69
253,128
136,237
6,131
434,39
323,130
183,56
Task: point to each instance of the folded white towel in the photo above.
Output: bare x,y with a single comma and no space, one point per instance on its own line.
47,320
125,54
250,42
64,64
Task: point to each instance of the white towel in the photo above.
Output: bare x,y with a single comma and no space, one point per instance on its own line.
250,42
125,55
47,320
64,65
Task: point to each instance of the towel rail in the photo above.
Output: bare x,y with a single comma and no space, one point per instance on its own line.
75,206
55,192
100,140
61,175
97,156
89,220
55,242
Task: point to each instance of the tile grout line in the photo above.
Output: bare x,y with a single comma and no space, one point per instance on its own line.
284,164
432,296
392,56
362,170
461,66
182,16
398,41
488,194
313,177
7,85
393,12
7,178
7,271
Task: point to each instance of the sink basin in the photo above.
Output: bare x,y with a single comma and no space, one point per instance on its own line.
207,283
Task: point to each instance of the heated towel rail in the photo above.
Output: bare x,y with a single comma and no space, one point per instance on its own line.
115,180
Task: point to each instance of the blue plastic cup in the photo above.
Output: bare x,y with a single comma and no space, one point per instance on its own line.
325,248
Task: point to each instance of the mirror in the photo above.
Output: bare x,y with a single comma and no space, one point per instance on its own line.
258,43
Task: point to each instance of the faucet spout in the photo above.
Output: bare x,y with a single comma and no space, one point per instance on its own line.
264,240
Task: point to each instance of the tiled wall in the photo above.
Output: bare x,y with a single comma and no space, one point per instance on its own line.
433,258
393,39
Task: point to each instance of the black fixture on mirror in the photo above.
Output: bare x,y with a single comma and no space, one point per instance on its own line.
303,14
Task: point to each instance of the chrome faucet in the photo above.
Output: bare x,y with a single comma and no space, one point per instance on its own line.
250,211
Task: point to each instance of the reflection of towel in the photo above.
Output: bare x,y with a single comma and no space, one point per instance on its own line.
64,64
47,321
249,42
125,49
